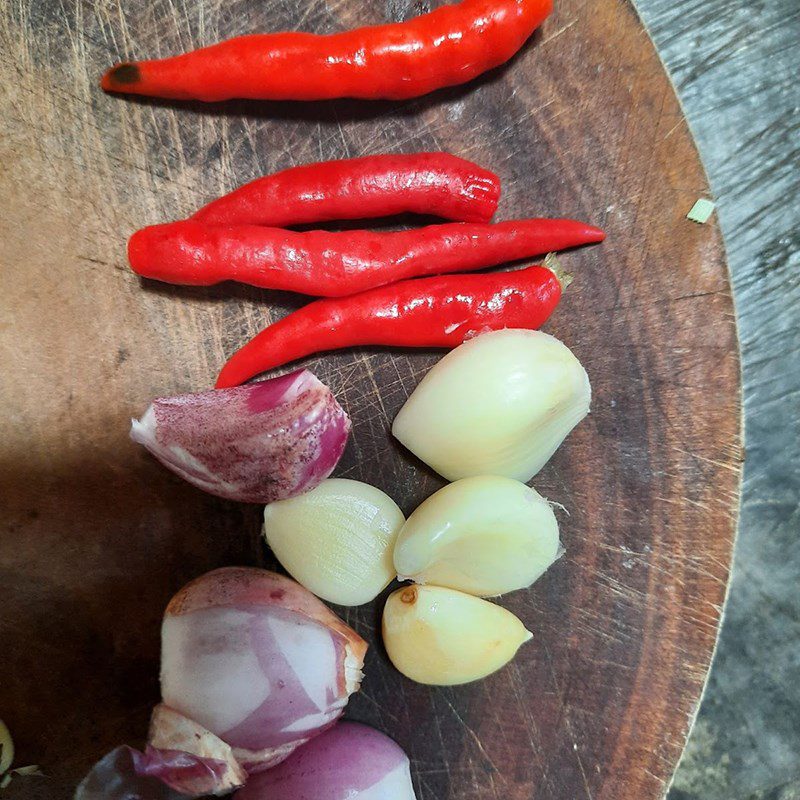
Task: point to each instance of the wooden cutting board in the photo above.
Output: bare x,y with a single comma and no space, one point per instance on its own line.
96,536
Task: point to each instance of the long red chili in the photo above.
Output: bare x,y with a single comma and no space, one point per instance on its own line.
448,46
438,184
428,312
335,264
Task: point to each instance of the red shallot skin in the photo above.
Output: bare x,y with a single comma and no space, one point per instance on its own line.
127,774
258,443
348,762
258,661
175,733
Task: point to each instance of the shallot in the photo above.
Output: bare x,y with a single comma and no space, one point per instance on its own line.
258,661
443,637
337,539
252,666
500,404
348,762
257,443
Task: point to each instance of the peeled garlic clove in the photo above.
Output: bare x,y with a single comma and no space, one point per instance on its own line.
485,536
337,539
256,443
443,637
499,404
258,661
348,762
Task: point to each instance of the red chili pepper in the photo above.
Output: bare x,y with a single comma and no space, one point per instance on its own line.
429,312
439,184
335,264
448,46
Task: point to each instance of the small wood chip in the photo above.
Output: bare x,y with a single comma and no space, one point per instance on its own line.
31,769
701,211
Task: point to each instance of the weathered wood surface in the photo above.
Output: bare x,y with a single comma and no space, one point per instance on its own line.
96,536
735,67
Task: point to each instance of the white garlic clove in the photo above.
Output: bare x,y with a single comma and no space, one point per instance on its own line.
499,404
443,637
337,539
486,536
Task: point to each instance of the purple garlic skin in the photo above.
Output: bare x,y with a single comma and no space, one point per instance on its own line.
257,443
348,762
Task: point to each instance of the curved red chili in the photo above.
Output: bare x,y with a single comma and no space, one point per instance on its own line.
448,46
428,312
335,264
438,184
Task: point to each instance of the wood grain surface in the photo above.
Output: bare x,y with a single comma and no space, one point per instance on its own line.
734,64
96,536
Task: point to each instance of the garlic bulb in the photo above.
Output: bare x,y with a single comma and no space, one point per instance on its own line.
348,762
499,404
337,539
258,661
443,637
257,443
485,536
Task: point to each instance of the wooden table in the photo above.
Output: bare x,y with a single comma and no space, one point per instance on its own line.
168,182
735,66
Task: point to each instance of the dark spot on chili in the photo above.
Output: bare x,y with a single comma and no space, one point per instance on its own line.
125,73
277,594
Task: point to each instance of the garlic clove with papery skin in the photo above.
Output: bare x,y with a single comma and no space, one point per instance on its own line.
258,661
337,539
348,762
499,404
265,441
442,637
486,535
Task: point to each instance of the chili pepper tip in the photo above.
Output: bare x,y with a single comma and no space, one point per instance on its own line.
121,76
594,235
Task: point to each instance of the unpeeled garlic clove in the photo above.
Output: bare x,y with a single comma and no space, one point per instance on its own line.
499,404
486,536
266,441
443,637
337,539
